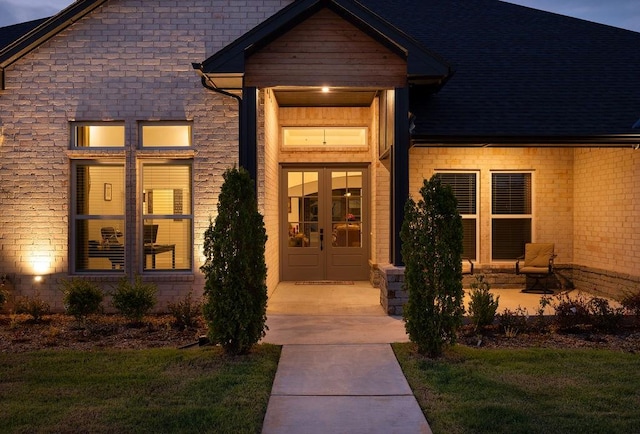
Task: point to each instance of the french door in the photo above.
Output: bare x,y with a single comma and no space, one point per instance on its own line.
325,223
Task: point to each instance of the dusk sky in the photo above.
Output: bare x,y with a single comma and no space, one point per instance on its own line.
619,13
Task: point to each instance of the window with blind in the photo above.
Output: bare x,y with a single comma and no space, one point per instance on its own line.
98,210
465,188
511,214
167,216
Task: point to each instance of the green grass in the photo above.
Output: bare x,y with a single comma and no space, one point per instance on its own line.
160,390
538,390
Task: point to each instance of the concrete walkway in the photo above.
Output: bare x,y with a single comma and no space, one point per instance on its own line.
337,372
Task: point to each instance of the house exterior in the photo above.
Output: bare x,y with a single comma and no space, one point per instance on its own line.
118,118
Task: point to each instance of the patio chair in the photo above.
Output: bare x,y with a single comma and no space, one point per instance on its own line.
537,263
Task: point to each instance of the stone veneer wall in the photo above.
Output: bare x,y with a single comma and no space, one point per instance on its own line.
269,190
607,219
128,61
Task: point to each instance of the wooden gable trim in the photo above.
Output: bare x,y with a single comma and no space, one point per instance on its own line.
231,59
325,49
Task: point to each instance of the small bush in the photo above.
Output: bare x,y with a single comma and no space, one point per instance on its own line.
571,312
134,300
186,312
603,316
33,306
482,305
81,298
513,321
3,298
631,302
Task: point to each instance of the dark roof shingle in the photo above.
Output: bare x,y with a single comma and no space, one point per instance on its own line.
521,71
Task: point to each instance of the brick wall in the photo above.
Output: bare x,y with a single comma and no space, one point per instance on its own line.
552,189
271,188
128,61
607,219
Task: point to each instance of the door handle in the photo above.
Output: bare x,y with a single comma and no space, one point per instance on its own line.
321,239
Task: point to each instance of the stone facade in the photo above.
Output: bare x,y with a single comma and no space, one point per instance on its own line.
128,61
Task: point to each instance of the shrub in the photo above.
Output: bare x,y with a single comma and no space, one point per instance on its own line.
33,306
513,321
235,270
3,298
185,311
134,299
81,298
631,302
431,237
603,316
570,312
482,306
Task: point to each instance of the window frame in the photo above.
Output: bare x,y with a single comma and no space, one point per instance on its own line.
476,216
73,135
142,124
522,216
145,216
74,217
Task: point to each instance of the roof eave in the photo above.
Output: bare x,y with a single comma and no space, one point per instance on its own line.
42,33
595,141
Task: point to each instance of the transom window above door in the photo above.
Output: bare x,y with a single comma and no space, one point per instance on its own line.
325,136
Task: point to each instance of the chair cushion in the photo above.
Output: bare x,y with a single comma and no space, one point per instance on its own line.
537,254
534,270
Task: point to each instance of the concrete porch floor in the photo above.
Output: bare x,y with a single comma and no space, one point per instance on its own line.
351,313
361,299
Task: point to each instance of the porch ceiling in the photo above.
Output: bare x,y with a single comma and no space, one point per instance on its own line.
315,97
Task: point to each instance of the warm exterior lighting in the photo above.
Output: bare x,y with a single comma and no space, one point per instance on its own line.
325,89
38,279
41,264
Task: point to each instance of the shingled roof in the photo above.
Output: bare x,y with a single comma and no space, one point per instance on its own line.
9,34
522,75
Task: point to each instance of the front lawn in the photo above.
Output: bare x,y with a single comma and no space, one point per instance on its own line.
534,390
151,390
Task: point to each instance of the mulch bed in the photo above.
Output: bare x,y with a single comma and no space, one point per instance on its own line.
626,339
19,333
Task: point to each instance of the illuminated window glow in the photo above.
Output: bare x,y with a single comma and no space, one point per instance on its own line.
325,136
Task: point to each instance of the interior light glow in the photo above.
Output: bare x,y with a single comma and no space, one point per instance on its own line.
325,89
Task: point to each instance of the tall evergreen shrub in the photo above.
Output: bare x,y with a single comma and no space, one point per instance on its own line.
235,270
432,252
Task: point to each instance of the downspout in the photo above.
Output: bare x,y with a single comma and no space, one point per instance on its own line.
242,133
205,82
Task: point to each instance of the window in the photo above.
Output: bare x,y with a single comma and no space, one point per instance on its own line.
511,214
97,135
165,135
465,188
98,211
325,136
167,216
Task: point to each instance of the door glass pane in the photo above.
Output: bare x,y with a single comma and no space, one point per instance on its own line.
346,213
303,209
